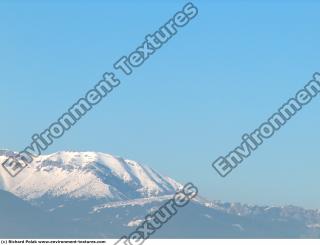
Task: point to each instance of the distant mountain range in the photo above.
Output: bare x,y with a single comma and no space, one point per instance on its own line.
97,195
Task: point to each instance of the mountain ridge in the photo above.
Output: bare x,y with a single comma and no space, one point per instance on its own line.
97,195
86,175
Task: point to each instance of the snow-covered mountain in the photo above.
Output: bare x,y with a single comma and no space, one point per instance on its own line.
97,195
85,175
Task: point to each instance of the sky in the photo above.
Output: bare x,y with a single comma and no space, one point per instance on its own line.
221,76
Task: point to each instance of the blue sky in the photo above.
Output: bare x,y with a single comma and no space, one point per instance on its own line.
221,76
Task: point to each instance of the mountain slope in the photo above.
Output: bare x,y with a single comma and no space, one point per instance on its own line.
21,220
96,195
85,175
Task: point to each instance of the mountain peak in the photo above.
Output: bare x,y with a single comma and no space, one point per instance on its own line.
86,175
6,152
